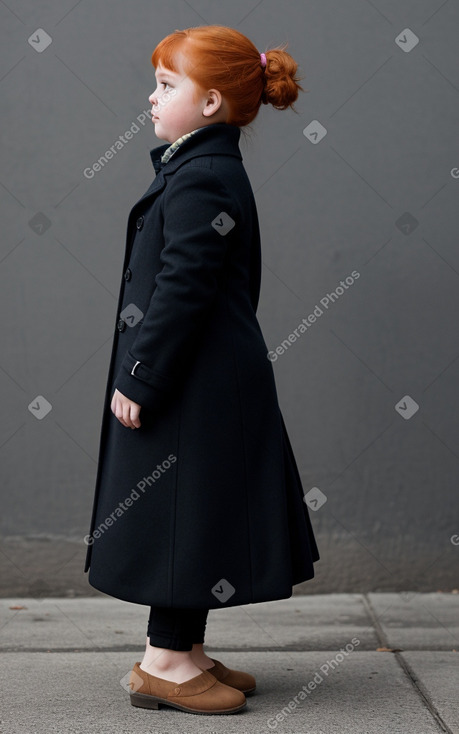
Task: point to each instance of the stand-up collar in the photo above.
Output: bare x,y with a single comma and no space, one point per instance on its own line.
218,138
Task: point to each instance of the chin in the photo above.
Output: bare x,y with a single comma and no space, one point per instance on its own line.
165,137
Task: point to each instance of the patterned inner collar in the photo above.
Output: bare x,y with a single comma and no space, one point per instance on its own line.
175,145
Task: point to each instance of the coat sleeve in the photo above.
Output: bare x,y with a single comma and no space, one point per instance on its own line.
198,216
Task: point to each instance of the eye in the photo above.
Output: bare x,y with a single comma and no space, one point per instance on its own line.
166,84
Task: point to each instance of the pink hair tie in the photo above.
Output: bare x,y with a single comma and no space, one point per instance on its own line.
263,60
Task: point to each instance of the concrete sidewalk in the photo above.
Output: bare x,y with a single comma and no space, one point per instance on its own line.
324,664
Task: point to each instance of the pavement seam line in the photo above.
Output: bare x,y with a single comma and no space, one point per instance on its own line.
405,667
422,691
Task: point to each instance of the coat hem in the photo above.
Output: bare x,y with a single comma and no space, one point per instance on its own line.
150,601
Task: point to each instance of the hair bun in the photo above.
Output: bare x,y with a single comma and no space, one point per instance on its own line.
281,83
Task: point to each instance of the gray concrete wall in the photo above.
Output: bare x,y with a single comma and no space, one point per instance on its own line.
364,180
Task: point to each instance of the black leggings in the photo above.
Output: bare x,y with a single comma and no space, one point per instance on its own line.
176,629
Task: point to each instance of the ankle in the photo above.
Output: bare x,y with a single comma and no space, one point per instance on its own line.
165,659
199,655
171,665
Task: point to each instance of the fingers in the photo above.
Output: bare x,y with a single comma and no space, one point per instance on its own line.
134,415
127,411
133,410
117,409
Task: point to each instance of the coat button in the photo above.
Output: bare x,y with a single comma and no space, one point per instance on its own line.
139,223
128,274
121,325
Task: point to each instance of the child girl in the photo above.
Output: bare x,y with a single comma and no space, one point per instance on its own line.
198,502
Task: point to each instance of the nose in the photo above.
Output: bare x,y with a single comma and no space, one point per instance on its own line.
152,98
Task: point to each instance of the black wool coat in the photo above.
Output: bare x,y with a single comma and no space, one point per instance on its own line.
202,506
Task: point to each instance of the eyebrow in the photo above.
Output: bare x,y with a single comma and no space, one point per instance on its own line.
168,75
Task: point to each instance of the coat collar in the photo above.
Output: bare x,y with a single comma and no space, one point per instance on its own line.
218,138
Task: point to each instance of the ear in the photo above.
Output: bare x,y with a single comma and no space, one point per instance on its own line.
213,102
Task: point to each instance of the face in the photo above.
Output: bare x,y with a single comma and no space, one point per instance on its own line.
174,112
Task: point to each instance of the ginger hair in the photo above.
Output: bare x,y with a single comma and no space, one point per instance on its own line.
218,57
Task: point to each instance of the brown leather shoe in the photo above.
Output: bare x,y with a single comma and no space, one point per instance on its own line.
244,682
203,694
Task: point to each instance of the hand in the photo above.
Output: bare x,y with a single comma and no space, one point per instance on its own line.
125,410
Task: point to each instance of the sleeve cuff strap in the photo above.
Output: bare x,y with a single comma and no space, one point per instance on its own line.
139,383
140,371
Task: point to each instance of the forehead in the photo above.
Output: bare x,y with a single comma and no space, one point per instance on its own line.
177,62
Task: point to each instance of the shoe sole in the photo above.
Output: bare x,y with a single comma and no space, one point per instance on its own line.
145,701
